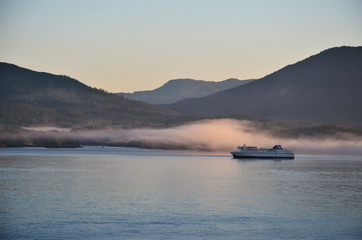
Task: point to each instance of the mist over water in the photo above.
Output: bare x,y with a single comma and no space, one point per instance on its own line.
97,193
221,135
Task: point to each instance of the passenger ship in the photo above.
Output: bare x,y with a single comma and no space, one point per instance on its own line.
253,152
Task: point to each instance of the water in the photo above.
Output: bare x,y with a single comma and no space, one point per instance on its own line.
125,193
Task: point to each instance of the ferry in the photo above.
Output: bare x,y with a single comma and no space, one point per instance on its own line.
253,152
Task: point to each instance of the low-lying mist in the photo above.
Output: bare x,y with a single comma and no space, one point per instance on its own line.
225,135
222,135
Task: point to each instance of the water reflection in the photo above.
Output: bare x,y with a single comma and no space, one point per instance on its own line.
263,159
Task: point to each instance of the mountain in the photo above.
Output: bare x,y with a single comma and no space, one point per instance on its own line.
178,89
35,98
326,88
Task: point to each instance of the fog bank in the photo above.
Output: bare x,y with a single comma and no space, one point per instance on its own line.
220,135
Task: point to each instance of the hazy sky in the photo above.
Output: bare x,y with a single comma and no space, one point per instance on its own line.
130,45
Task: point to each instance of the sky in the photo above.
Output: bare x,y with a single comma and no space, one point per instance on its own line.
133,45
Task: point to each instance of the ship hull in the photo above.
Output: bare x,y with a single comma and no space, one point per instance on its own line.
262,155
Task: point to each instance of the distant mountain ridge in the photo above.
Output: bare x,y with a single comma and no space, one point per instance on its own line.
323,88
36,98
178,89
326,87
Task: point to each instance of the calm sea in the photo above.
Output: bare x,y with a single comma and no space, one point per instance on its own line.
125,193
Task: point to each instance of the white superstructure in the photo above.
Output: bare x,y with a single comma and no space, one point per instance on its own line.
253,152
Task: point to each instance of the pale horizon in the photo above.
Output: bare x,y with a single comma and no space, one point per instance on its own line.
127,46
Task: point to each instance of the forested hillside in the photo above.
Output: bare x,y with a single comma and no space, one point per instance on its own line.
35,98
323,88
